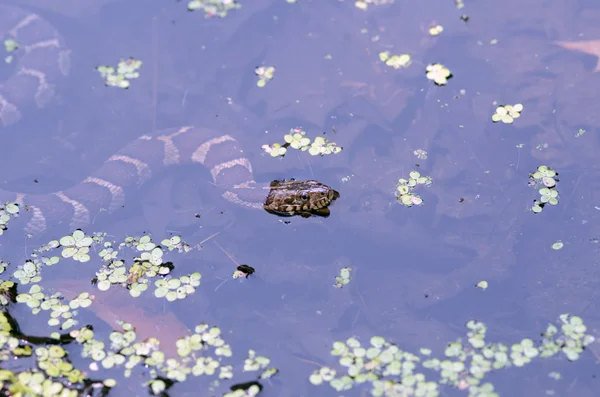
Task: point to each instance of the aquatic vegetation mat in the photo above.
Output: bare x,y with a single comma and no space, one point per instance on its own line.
298,140
126,70
10,45
545,179
405,190
395,61
390,371
161,362
265,74
438,73
507,113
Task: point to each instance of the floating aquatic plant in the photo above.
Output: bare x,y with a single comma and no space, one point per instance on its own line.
265,74
393,372
213,8
405,190
438,73
364,4
343,278
436,30
7,211
297,139
126,70
395,61
545,180
507,113
76,246
10,45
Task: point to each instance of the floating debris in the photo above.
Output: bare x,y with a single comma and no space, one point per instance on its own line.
265,74
558,245
405,189
548,178
438,73
126,69
297,139
7,212
507,113
395,61
213,8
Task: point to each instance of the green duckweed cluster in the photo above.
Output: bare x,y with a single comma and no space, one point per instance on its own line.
10,45
405,188
545,180
395,61
264,74
126,69
76,246
364,4
7,211
201,353
297,139
507,113
391,371
438,73
343,278
436,30
213,8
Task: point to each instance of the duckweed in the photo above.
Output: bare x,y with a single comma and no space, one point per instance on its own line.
395,61
76,246
296,139
7,211
213,8
438,73
120,77
392,371
436,30
388,369
548,178
343,278
405,188
265,74
507,113
10,45
364,4
177,288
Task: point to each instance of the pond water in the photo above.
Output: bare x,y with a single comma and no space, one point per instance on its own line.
496,160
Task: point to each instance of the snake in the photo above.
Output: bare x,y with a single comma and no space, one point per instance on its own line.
42,64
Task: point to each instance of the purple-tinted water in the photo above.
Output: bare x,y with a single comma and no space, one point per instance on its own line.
414,269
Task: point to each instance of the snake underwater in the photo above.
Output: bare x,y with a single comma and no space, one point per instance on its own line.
40,67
